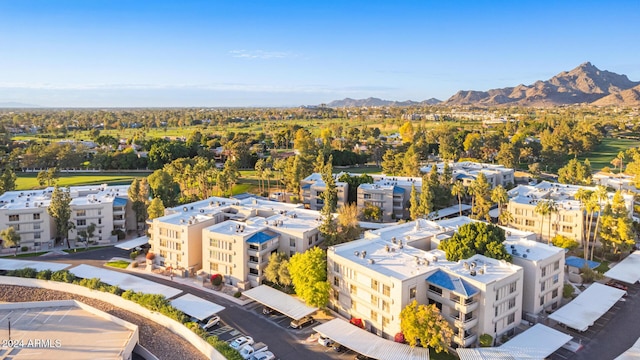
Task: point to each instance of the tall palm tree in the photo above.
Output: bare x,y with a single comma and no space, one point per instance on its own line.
542,209
600,194
459,190
553,209
499,196
583,195
506,218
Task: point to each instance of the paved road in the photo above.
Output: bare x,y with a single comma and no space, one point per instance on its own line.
286,343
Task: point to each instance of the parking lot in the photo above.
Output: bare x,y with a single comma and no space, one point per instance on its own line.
617,329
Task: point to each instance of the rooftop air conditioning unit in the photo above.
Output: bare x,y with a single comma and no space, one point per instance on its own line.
371,261
472,273
356,253
185,209
480,271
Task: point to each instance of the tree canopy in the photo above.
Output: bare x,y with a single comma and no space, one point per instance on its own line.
155,209
308,272
476,238
10,237
424,325
277,271
60,211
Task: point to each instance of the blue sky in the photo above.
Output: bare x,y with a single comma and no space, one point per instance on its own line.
112,53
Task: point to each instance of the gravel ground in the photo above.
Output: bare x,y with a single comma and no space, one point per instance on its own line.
157,339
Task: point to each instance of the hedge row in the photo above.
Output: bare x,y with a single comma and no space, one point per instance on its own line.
153,302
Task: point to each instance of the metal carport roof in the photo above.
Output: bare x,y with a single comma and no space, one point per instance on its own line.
279,301
368,344
197,307
627,270
537,342
132,244
588,307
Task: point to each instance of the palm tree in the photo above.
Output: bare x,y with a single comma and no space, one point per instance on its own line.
583,195
499,196
542,209
600,194
459,190
505,218
553,209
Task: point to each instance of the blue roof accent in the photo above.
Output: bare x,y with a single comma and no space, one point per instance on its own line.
260,237
463,176
580,262
119,201
306,186
453,283
398,190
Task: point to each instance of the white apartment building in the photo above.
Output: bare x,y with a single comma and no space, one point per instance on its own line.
312,187
196,236
568,220
616,181
390,193
376,277
542,264
468,171
105,206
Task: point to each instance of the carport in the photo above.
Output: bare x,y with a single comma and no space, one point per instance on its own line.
368,344
632,354
537,342
627,270
279,301
12,264
588,307
197,307
134,243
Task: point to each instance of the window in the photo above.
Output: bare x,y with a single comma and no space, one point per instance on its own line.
554,293
36,216
374,284
385,306
213,267
82,222
512,303
511,318
253,271
385,322
541,300
352,289
354,305
512,288
16,227
36,226
374,316
543,286
555,278
81,213
14,217
528,222
310,240
100,221
367,196
567,229
496,311
544,271
374,300
556,265
386,290
36,235
336,268
412,293
435,289
292,243
336,281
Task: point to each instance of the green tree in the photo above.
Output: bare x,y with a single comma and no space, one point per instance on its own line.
406,132
164,187
91,231
500,197
10,238
481,192
48,177
155,209
348,225
505,218
599,195
138,194
329,196
575,173
564,242
7,180
414,203
458,190
390,164
60,210
308,272
475,238
424,325
542,208
277,271
411,163
371,212
617,233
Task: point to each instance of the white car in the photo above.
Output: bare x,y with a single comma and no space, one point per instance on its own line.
265,355
325,341
238,343
208,323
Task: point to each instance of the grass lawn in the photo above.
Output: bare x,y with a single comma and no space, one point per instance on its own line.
120,264
441,356
603,267
27,181
608,149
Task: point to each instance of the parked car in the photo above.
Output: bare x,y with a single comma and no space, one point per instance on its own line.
297,324
267,310
248,351
337,347
363,357
265,355
238,343
210,322
616,285
325,341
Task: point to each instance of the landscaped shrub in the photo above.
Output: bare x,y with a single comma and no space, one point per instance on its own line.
155,302
44,274
24,248
150,256
237,294
133,255
486,340
216,279
63,276
23,273
567,291
134,264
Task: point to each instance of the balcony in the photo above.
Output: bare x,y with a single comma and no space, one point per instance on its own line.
460,323
465,306
465,341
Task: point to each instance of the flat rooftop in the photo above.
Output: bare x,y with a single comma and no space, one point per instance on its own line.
80,195
231,227
65,330
530,249
407,232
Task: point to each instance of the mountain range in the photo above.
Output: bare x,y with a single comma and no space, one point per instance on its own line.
586,84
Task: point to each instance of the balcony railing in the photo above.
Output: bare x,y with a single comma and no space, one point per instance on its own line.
465,341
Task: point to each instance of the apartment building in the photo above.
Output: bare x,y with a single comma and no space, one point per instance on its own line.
542,264
374,278
568,219
197,236
105,206
391,194
468,171
313,186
